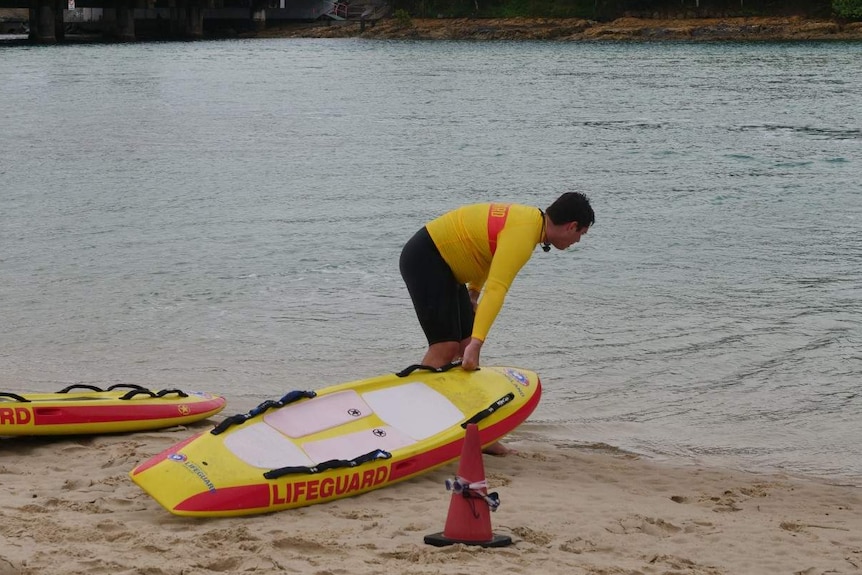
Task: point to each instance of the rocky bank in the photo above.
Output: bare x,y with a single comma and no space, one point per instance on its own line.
562,29
572,29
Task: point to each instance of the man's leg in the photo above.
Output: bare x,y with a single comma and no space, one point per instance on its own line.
442,353
436,297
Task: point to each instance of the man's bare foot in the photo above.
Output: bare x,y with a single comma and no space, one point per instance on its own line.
499,450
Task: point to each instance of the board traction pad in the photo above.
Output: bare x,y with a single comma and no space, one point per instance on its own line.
411,412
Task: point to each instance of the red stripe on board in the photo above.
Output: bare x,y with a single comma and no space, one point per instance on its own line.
73,415
228,499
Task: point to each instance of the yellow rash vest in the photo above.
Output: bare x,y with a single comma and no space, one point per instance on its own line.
486,245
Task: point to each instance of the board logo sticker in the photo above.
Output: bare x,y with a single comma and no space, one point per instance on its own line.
184,409
177,457
200,473
353,412
517,376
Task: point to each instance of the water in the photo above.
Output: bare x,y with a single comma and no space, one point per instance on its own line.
227,216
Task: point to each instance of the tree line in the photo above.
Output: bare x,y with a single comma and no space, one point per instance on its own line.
604,10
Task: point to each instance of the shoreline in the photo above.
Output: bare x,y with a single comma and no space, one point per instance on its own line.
742,29
568,510
628,29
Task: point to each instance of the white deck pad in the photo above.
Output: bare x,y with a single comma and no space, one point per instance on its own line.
323,412
414,408
260,445
355,444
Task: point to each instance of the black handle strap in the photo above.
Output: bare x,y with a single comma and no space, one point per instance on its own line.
410,369
99,389
331,464
241,418
149,393
489,410
80,386
125,386
136,390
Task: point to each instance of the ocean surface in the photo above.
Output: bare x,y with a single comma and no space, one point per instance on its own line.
228,215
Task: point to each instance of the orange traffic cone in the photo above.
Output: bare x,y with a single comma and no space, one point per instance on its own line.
469,519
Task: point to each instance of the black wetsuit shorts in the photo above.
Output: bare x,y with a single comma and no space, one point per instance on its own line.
442,304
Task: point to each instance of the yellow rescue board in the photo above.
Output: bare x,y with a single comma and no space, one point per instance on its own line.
343,440
85,409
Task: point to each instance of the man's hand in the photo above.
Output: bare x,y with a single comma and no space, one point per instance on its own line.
470,361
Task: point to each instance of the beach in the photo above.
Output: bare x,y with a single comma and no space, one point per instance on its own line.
69,507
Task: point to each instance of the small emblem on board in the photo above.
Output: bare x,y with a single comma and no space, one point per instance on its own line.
517,376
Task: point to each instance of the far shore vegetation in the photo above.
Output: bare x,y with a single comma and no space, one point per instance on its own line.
604,10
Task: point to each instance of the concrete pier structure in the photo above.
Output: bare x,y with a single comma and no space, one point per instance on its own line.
258,14
187,18
44,16
55,21
118,20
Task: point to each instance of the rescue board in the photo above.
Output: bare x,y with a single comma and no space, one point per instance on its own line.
87,409
313,447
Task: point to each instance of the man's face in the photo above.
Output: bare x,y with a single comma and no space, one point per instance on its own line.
571,235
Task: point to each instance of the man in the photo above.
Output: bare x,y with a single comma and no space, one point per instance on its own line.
478,250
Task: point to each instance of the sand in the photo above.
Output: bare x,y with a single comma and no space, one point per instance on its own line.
67,506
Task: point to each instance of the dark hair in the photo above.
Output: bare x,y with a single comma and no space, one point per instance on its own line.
572,207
